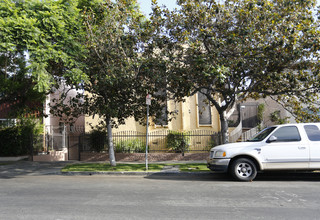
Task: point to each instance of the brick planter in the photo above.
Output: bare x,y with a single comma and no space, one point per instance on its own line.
140,157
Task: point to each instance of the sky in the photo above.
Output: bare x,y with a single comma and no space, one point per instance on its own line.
146,5
171,4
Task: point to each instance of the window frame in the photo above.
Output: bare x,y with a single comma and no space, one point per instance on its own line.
285,140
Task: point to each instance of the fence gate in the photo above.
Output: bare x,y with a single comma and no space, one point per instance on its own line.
62,137
249,115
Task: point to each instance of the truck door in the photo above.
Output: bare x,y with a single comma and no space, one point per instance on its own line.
313,134
285,149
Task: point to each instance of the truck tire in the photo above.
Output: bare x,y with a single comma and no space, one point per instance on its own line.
243,169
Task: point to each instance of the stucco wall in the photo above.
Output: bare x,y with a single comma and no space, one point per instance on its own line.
53,120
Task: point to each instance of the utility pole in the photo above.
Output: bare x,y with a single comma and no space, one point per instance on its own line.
148,102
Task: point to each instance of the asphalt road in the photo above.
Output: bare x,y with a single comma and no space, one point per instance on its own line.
211,196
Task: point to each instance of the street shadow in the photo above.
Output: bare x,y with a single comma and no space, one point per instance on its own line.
219,177
288,176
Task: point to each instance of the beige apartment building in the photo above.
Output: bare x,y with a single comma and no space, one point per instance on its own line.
190,115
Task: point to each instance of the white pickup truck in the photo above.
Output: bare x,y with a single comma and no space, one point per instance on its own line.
280,147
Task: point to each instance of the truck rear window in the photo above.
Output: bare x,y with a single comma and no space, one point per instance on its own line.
313,132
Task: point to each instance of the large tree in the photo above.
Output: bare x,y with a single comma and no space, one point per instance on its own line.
112,89
118,72
238,49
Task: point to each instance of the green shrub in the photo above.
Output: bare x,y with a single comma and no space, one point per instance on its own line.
98,140
210,145
276,117
131,146
10,142
15,141
18,140
178,142
261,108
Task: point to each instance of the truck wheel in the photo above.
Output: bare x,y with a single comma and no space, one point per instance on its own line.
243,169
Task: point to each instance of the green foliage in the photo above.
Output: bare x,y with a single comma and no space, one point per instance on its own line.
193,167
178,142
231,50
112,62
17,140
11,143
276,117
97,140
97,167
40,41
16,88
131,146
261,108
211,144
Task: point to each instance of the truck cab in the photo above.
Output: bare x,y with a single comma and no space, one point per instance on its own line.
279,147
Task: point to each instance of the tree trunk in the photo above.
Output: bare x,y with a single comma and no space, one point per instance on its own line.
110,143
224,127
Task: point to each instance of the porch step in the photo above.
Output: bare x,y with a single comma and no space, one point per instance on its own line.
52,156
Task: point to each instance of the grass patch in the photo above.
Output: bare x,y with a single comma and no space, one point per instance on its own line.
194,167
97,167
100,167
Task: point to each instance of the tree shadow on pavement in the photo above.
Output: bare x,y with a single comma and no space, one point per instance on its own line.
219,177
288,176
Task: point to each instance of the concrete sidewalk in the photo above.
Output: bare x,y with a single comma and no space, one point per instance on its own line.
19,168
6,159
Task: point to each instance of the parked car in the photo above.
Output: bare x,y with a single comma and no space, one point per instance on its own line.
280,147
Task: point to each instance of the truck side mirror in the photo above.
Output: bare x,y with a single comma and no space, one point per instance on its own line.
272,139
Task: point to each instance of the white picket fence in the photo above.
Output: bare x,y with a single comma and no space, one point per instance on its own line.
249,134
237,133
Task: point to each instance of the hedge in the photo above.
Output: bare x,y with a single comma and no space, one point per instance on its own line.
15,141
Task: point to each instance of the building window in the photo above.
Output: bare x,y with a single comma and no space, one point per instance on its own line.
162,118
204,110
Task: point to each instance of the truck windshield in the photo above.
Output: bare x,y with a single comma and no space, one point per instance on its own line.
262,134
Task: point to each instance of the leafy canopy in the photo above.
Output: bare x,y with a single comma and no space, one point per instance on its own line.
39,46
238,49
